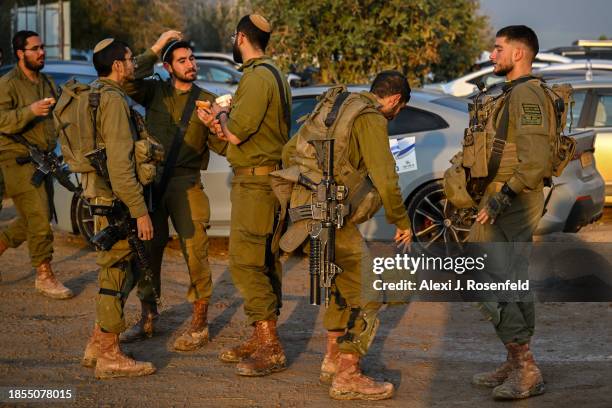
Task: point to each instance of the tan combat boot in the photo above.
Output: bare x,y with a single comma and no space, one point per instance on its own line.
330,361
111,362
492,379
144,328
350,384
47,285
269,356
525,379
92,349
197,334
241,351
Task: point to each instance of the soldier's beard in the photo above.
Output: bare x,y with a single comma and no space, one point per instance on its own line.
184,78
501,70
33,64
236,54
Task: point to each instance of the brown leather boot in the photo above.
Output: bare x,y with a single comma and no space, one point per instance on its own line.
197,334
330,361
111,362
92,349
525,379
492,379
350,384
268,357
241,351
144,328
47,285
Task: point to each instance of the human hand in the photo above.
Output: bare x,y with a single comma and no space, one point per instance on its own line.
145,227
42,107
165,38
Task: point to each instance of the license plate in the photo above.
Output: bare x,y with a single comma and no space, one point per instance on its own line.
586,159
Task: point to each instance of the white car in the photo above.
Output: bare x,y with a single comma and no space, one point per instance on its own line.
467,84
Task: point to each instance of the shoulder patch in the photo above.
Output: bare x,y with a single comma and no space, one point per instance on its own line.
531,115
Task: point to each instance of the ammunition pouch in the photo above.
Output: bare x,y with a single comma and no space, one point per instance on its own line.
475,153
148,154
564,149
455,184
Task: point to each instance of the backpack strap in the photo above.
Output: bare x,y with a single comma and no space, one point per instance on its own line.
283,95
53,90
333,113
160,188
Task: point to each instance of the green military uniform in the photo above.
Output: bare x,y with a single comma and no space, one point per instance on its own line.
118,273
17,93
526,162
369,153
257,120
184,200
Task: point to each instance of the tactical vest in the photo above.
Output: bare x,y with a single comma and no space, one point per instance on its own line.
362,199
487,116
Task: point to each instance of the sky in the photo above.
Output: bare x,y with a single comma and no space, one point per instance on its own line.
556,22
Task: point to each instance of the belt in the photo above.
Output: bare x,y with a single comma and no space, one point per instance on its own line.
255,171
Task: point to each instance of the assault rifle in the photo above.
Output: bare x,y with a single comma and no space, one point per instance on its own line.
328,214
47,163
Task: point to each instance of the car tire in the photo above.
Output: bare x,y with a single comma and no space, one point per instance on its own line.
83,219
435,220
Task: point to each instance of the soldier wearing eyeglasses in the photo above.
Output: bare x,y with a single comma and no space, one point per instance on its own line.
27,97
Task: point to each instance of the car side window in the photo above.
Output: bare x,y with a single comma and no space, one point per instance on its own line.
219,75
413,120
299,108
573,115
603,111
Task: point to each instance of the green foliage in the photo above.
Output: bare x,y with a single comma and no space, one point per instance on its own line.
138,22
351,40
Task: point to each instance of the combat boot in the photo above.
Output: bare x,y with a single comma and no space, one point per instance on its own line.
330,361
268,357
145,327
350,384
111,362
92,349
242,351
525,379
197,334
48,285
492,379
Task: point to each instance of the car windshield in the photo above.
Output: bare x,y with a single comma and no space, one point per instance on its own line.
453,103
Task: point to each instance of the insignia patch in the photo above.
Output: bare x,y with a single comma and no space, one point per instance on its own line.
532,115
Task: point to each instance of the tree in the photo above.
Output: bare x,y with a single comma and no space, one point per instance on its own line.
351,40
138,22
210,24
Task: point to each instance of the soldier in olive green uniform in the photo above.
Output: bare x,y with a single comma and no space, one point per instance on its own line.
350,320
118,274
184,200
26,99
513,202
257,128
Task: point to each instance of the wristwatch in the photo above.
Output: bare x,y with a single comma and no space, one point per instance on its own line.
218,117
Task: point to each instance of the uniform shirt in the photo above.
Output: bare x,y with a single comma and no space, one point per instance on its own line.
165,105
532,128
369,153
257,117
17,93
115,133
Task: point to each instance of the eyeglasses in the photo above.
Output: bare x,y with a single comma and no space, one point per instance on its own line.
36,48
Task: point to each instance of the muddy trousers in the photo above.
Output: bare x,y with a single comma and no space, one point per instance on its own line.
255,268
348,310
33,221
187,206
514,322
